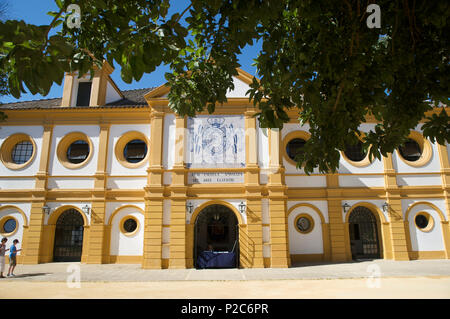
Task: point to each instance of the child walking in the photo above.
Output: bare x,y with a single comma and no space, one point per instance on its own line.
2,256
12,257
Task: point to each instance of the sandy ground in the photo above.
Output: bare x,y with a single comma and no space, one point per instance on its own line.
415,287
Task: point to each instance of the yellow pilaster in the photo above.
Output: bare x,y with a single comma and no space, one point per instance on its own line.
189,245
97,251
68,89
338,230
279,245
99,84
33,243
255,237
178,256
445,176
154,198
254,249
399,248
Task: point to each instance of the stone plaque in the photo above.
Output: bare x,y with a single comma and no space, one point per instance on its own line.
216,178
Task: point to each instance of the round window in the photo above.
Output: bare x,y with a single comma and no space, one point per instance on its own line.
410,150
135,151
355,152
9,226
22,152
424,221
78,152
17,151
304,223
294,147
130,225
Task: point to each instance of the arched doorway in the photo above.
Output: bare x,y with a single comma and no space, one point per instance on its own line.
364,237
216,228
68,236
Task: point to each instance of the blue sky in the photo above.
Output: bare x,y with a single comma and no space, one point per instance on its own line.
35,12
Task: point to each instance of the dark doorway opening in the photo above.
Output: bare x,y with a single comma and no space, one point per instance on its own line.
216,229
363,230
68,237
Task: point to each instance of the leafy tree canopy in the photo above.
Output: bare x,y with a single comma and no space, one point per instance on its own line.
318,57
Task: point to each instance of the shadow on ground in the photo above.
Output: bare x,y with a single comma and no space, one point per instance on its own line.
30,275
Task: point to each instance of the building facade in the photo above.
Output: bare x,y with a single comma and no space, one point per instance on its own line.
105,176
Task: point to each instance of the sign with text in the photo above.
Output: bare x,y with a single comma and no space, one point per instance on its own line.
216,178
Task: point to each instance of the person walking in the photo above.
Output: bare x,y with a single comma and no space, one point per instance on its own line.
2,256
12,257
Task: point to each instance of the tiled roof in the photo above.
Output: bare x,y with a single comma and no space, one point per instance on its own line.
132,98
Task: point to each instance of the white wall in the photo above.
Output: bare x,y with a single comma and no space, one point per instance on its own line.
111,94
425,241
59,132
310,243
122,245
169,141
240,88
35,132
14,212
115,132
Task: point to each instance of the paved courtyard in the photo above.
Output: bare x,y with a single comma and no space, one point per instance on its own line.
365,279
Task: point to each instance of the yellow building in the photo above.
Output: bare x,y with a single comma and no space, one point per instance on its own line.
109,176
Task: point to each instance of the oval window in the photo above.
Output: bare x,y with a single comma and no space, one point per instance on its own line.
135,151
410,150
78,152
355,152
9,226
294,147
421,221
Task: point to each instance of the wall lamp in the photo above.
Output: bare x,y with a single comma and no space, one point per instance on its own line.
46,209
346,207
86,209
242,207
189,207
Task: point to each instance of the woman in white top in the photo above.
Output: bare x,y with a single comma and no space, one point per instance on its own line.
2,256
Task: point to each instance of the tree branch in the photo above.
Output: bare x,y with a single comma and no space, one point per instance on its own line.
48,30
182,13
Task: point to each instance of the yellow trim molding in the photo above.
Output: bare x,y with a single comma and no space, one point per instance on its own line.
119,259
439,254
289,137
123,141
8,146
424,145
64,144
408,211
53,218
18,210
215,202
110,219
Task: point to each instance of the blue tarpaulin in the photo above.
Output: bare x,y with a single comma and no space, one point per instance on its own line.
216,259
